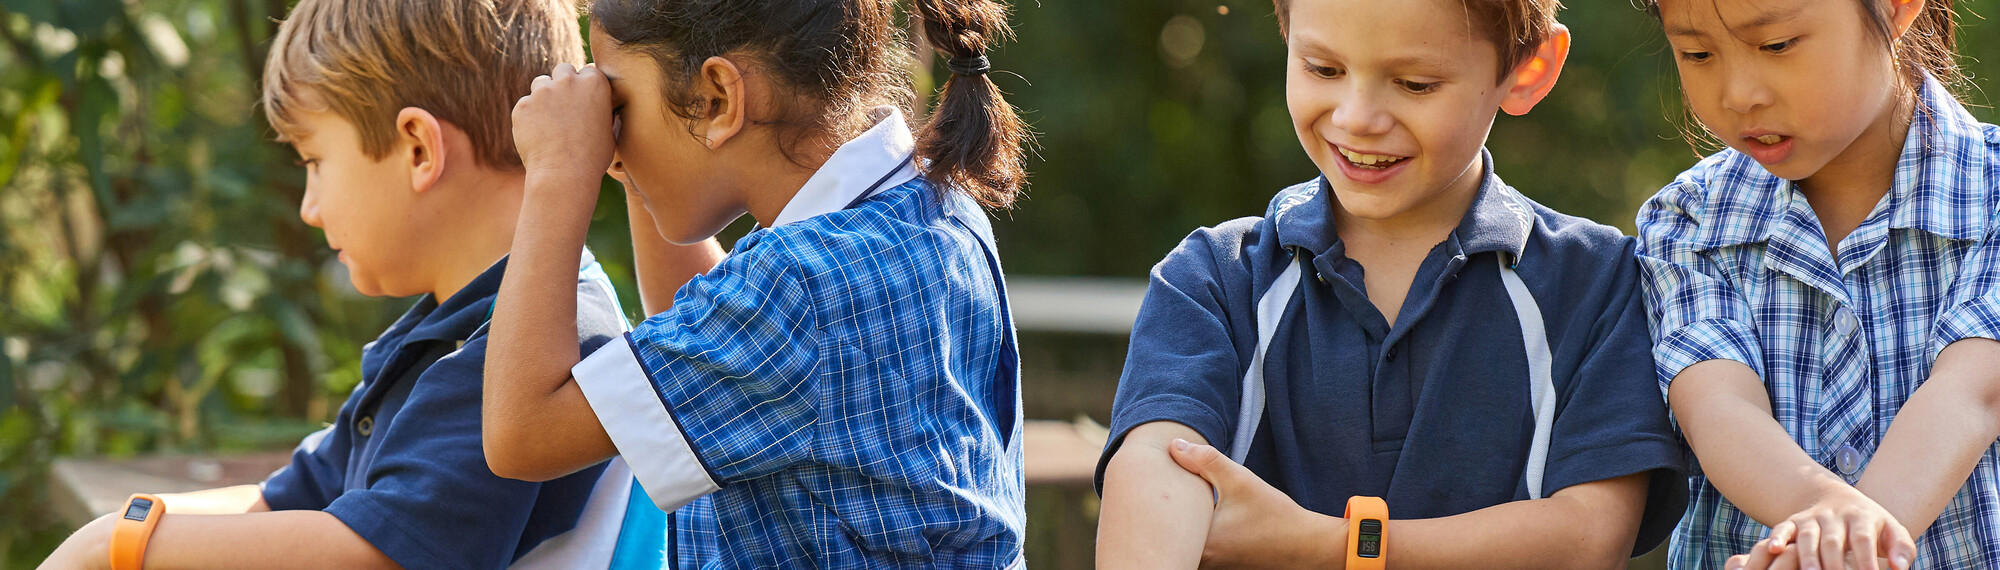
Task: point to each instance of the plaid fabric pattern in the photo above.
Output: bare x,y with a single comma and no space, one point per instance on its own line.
851,384
1737,268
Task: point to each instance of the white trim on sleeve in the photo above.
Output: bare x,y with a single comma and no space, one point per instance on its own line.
622,395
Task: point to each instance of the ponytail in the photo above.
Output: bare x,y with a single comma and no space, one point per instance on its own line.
974,140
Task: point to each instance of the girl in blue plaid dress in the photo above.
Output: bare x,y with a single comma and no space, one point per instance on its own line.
840,390
1825,292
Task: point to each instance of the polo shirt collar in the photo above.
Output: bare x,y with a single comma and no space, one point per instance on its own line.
878,159
467,310
1938,186
1499,219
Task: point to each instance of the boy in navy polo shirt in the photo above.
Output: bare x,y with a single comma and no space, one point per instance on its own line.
400,112
1405,329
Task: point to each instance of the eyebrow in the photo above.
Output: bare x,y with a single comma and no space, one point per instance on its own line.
1763,18
1425,62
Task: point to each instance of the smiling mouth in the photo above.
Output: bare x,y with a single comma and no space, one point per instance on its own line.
1369,161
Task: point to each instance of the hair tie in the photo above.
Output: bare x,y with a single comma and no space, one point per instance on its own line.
970,66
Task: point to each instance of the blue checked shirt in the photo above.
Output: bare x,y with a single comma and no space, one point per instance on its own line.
842,391
1737,268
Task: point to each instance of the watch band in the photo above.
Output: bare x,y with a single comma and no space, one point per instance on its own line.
134,529
1367,523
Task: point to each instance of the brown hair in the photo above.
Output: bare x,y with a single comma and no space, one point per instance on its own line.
465,61
838,58
1931,44
1516,27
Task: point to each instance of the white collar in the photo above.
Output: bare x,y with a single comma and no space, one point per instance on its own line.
881,154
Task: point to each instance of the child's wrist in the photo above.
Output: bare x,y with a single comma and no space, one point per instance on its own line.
1324,544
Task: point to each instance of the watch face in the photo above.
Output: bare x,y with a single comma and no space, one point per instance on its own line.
1370,543
138,510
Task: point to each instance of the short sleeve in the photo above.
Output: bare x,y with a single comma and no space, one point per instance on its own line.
719,388
313,478
1696,315
429,500
1182,365
1975,308
1612,421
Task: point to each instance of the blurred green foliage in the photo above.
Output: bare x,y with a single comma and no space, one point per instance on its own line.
158,292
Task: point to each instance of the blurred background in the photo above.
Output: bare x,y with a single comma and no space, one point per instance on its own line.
158,293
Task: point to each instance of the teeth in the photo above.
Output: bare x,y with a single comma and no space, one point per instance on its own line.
1368,159
1770,139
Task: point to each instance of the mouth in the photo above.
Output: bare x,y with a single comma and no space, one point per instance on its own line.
1767,148
1369,161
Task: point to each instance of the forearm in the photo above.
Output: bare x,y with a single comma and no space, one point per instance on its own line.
1154,514
1585,526
284,539
1725,413
536,424
661,266
1938,436
218,501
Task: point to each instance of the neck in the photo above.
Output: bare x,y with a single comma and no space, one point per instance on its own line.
1426,224
476,229
1864,171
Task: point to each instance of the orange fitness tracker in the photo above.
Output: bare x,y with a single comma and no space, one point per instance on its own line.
1367,517
134,528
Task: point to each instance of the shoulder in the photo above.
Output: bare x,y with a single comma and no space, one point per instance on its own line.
1573,240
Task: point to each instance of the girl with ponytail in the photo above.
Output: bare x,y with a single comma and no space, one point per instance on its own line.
1825,291
840,390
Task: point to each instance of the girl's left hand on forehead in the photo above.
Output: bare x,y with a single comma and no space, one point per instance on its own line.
563,127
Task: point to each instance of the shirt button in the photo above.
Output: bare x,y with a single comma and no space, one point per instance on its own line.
1848,460
1392,354
364,426
1844,322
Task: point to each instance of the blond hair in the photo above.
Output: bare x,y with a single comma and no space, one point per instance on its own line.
465,61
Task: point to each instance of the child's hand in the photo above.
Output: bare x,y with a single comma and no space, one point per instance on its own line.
563,126
1845,529
1765,556
1255,525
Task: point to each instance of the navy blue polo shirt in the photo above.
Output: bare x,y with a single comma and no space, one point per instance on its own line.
1431,412
403,465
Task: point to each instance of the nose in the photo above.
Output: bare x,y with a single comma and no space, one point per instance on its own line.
1744,90
309,207
1359,112
617,169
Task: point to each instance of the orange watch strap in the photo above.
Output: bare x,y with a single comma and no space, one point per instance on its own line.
1367,536
134,528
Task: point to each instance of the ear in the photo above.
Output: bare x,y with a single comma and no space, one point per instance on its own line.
1903,14
421,145
1534,78
723,92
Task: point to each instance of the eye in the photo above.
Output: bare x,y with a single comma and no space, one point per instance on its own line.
617,121
1779,47
1694,56
1324,72
306,162
1418,87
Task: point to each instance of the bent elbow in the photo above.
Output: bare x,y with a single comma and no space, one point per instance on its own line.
504,457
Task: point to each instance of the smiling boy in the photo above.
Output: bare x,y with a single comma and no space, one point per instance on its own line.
1405,358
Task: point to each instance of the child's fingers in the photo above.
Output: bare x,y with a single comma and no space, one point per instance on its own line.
1832,544
1898,547
1759,558
1782,535
1790,560
1807,539
1861,546
1202,460
562,70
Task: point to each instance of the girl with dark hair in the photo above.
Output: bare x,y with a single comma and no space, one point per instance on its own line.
1825,292
842,389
